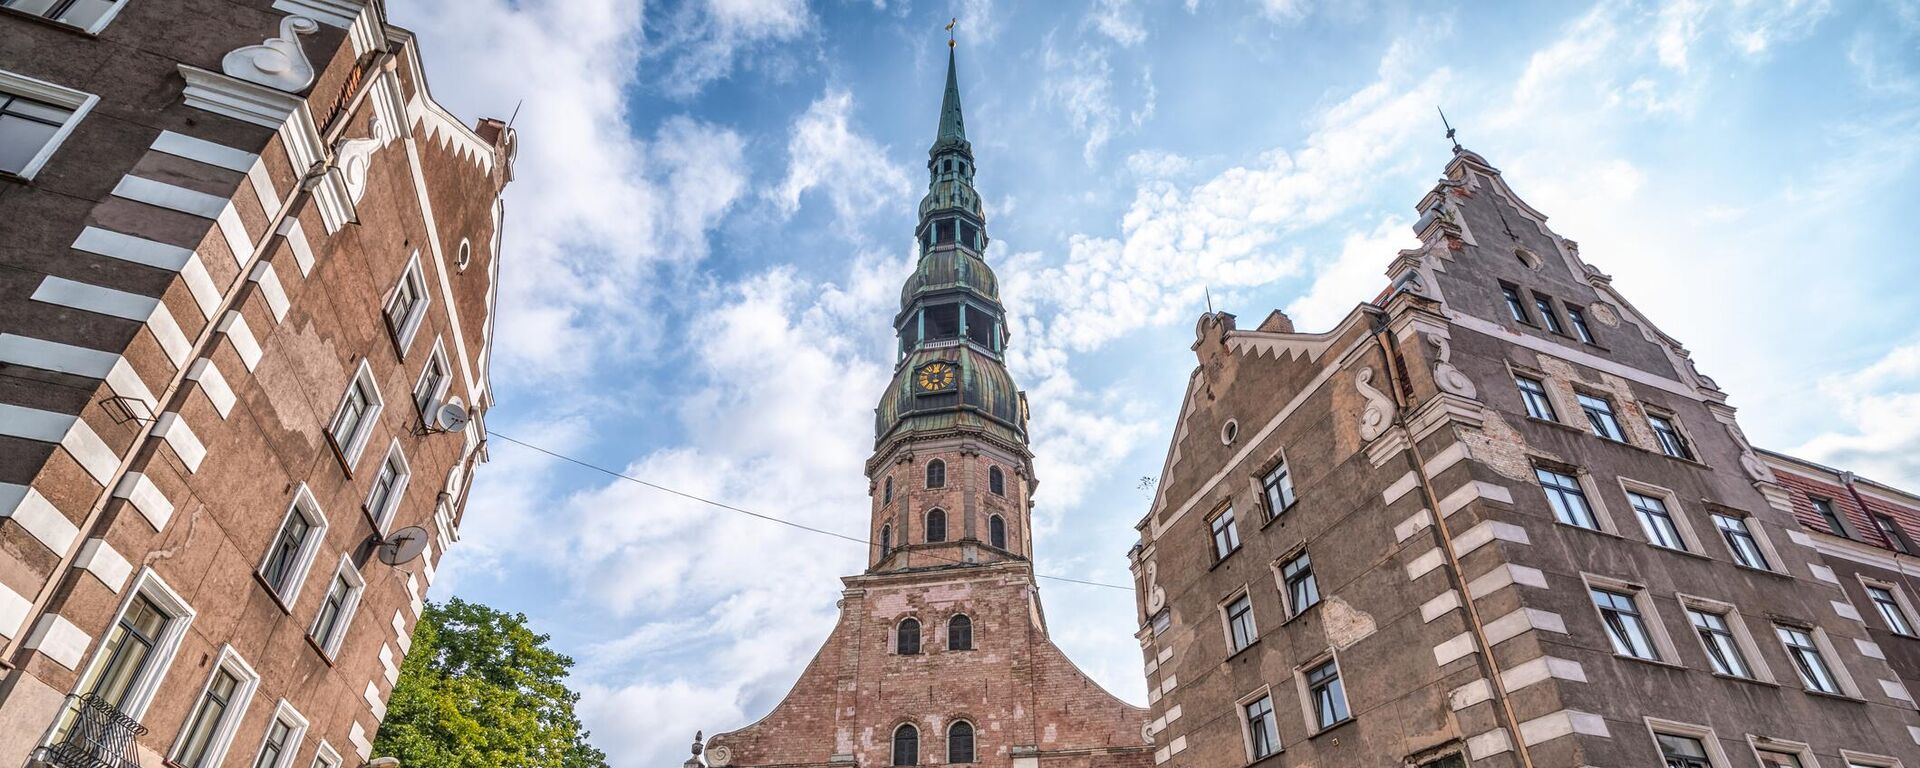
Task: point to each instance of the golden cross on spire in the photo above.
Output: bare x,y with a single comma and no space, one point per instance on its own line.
950,25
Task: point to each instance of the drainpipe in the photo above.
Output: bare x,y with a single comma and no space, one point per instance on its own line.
1475,626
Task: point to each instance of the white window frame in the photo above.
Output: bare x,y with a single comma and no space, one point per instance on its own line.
1546,394
305,505
1798,749
1755,529
1671,501
1226,620
1612,412
1828,654
404,335
236,712
1278,463
1307,712
1900,600
1672,420
383,517
1233,530
284,711
1857,759
330,646
1246,732
439,393
181,614
357,442
101,23
80,102
1643,601
1588,488
328,753
1279,567
1736,624
1716,755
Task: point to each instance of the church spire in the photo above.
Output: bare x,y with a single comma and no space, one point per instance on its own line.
953,127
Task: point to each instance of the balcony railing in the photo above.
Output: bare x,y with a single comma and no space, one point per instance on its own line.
96,735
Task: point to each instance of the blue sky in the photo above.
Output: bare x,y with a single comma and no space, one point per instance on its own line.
713,215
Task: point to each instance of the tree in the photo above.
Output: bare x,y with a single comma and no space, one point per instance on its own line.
480,689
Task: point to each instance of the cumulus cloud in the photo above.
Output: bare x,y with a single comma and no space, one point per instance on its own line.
1879,405
852,169
701,41
1352,277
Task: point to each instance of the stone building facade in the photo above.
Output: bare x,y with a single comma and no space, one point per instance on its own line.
1494,517
941,654
250,268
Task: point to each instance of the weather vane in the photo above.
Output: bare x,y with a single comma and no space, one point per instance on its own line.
950,24
1443,121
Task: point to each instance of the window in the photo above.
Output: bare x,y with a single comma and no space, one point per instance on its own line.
1600,417
980,328
1772,759
960,742
90,15
1263,732
336,610
433,382
906,745
35,116
907,638
996,481
209,729
1682,751
301,532
1302,590
1328,696
1723,649
1226,538
1277,485
1890,609
1579,320
407,305
1828,515
1746,550
1626,628
1515,306
1672,443
1547,315
283,738
997,531
1890,530
886,493
1808,661
136,650
936,525
465,256
1857,760
942,321
1162,622
960,633
1240,630
1568,499
1534,394
886,540
388,486
326,757
1656,521
936,474
353,420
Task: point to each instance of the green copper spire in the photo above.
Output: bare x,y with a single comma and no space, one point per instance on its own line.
953,127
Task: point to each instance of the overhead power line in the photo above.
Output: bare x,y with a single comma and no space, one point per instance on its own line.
757,515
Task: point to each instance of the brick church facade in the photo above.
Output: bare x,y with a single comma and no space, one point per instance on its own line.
941,654
250,268
1495,517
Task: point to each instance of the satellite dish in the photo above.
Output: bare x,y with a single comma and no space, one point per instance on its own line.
451,416
403,546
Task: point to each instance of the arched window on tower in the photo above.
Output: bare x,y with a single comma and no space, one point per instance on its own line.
936,474
960,742
886,540
997,531
886,493
936,525
906,745
960,633
907,642
996,481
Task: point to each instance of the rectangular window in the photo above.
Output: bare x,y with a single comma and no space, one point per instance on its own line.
1328,696
1811,665
1278,486
432,384
1303,591
1829,515
942,321
1739,538
90,15
1534,394
1515,307
1890,609
353,421
1656,521
326,757
274,750
1723,650
336,610
1626,628
215,715
1682,751
1600,417
35,117
1568,499
293,547
1579,319
1672,443
1263,733
388,487
1890,530
1771,759
1226,537
127,652
1547,316
1240,631
407,304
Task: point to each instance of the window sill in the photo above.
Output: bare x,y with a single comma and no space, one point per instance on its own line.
1767,571
1223,558
1331,728
1595,531
1685,552
1562,425
46,22
14,178
1277,516
1747,680
1270,756
1834,696
1652,662
317,648
277,599
1243,649
1303,612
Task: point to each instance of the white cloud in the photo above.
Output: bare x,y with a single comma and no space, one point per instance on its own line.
1156,164
854,171
1759,25
1879,407
1285,11
1351,278
702,41
1119,20
1678,27
1080,84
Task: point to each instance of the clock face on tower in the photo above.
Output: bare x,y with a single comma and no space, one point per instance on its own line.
936,376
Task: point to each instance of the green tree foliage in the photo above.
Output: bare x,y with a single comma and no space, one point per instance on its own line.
481,690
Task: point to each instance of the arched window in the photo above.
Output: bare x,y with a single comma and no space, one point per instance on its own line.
936,525
997,531
886,540
906,745
886,495
908,642
960,742
960,633
936,474
996,481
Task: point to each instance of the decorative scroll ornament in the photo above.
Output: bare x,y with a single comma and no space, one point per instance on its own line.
1146,732
1156,597
1449,378
1380,410
277,62
720,756
355,159
1755,468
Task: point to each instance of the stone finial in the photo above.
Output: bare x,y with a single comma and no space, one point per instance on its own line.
277,62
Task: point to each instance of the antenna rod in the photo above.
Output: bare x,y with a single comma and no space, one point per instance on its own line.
1443,121
516,112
